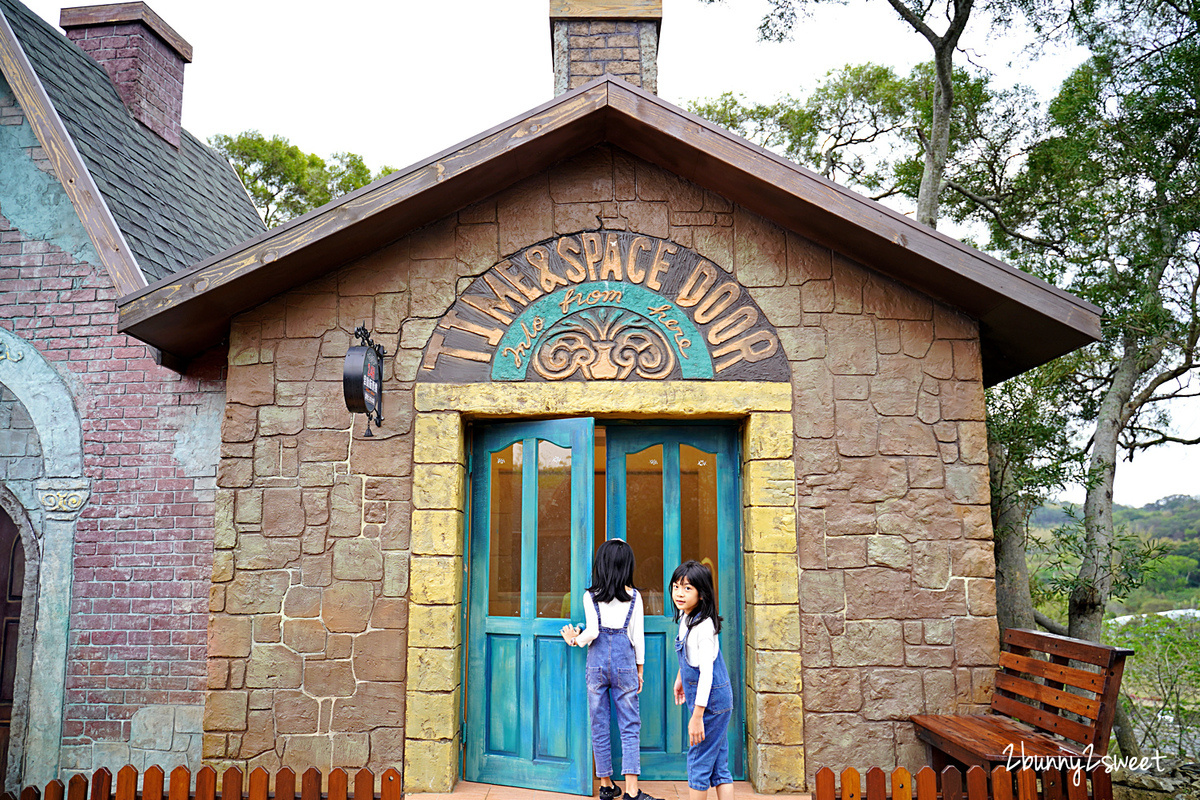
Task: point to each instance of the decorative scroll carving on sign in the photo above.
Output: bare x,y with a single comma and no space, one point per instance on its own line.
603,345
604,306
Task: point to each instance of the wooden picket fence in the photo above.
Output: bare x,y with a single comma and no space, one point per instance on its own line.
181,786
1000,784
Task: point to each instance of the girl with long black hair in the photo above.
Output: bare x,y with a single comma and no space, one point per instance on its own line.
614,636
703,681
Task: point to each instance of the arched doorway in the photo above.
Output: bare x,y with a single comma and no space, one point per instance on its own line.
42,492
12,589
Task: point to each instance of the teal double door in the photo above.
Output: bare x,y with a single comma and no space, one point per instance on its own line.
544,495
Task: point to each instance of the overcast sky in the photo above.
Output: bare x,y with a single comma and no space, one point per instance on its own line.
399,80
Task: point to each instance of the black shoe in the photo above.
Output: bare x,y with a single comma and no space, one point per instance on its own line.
610,792
641,795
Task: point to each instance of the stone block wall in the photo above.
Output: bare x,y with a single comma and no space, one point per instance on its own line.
871,486
20,449
897,593
143,547
309,604
586,49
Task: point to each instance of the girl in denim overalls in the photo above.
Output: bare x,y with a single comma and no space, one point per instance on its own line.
703,681
614,636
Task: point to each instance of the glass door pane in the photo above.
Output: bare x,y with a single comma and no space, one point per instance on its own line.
554,531
698,509
644,522
504,562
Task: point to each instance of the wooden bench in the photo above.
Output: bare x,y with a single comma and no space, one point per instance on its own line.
1043,705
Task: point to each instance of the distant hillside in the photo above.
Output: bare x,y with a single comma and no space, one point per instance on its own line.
1175,580
1176,517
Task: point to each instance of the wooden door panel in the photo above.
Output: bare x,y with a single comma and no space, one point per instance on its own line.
525,690
553,665
504,679
696,470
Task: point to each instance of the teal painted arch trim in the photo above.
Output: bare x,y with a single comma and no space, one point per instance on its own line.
525,334
53,503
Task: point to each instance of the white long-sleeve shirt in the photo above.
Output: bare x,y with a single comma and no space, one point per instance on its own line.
612,615
701,651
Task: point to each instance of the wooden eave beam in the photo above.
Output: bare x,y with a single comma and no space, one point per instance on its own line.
111,247
1023,321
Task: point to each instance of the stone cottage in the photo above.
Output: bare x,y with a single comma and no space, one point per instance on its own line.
604,318
107,457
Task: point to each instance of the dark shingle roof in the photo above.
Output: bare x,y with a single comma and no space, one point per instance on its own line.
175,207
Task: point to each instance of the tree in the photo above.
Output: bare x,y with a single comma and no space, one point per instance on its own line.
1107,207
862,126
778,23
285,182
1031,456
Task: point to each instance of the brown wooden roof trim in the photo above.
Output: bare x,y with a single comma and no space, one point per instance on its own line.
116,13
1024,321
93,212
606,9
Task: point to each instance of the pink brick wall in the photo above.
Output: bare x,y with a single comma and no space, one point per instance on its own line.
147,73
143,551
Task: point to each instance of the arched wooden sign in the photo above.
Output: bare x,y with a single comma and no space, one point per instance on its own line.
604,305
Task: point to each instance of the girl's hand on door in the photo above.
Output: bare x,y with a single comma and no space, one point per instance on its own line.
696,726
569,634
680,698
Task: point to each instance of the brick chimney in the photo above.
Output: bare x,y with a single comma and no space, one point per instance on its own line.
592,37
143,56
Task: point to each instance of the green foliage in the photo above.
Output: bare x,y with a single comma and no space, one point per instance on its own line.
865,126
1128,559
1175,517
1171,582
1039,455
285,182
1161,685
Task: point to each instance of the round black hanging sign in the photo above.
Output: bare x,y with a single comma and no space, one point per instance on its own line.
362,378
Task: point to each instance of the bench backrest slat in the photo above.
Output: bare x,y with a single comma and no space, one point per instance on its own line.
1080,679
1042,720
1101,655
1047,696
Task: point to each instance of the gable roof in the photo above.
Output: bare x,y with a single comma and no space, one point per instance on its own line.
171,207
1023,321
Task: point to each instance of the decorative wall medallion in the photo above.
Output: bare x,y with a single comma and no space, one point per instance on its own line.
9,355
604,306
68,500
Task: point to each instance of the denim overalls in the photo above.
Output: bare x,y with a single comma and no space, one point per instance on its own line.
612,667
707,762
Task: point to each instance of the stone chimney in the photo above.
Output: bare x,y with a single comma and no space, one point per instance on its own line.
143,56
592,37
